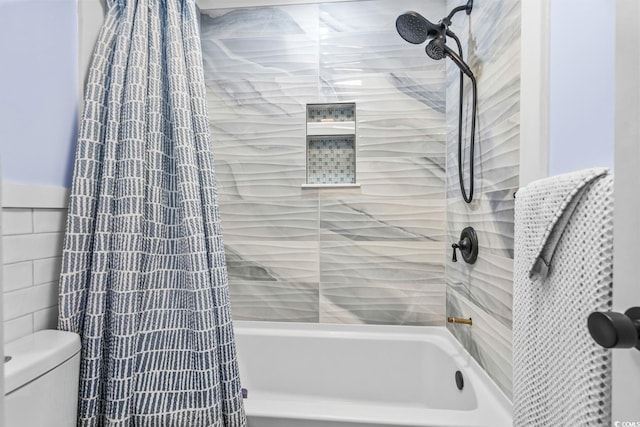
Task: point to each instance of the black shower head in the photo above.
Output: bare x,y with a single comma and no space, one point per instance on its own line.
416,29
437,49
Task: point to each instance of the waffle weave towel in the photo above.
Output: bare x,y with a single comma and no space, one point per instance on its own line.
562,272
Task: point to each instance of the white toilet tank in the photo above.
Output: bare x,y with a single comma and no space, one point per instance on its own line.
41,380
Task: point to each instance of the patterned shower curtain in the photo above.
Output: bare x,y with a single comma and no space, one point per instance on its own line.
144,280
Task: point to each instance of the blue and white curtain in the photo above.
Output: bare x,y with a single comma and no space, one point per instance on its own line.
144,280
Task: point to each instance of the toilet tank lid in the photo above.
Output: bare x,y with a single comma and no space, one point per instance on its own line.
36,354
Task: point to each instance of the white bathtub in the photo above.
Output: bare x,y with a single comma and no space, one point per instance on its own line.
309,375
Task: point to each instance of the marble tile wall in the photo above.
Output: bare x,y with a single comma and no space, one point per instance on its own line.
374,254
491,42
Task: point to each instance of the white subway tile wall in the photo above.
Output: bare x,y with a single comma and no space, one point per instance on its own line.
17,221
32,247
17,276
49,220
17,328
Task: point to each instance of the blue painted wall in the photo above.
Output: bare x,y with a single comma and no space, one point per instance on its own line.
582,85
38,90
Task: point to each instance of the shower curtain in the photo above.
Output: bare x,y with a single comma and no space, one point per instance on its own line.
144,280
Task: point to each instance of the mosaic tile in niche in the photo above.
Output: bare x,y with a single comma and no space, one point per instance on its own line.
331,159
317,113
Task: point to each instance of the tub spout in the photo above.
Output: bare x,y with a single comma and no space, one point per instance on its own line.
468,321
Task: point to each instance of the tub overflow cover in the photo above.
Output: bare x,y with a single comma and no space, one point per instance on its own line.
459,380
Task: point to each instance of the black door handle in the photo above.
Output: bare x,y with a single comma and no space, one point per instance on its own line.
616,330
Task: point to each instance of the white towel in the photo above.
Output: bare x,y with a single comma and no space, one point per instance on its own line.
563,270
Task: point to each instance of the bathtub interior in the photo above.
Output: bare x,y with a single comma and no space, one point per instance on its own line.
354,368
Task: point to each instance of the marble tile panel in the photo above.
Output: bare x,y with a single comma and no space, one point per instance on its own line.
249,42
262,56
271,145
386,136
367,219
374,15
389,93
491,216
488,284
374,302
398,95
269,219
259,143
398,138
496,158
393,123
488,341
272,261
486,40
257,22
363,35
277,301
400,105
427,86
250,108
350,262
403,178
250,180
377,52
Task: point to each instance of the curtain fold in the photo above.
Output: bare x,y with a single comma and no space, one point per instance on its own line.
144,278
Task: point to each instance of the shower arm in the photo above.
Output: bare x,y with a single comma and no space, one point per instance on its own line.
467,8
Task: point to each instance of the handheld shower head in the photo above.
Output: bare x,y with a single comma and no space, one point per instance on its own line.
437,49
416,29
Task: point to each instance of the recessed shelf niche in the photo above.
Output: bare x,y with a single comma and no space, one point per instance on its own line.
331,145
